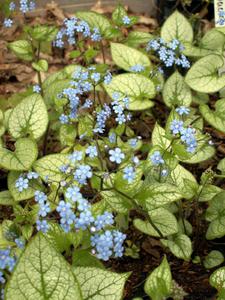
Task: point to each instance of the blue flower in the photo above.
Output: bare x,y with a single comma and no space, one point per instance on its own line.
183,110
82,173
36,88
42,225
96,35
126,20
96,77
64,119
129,174
103,220
12,6
20,243
22,184
8,23
32,175
157,159
91,151
85,219
73,193
133,142
118,239
88,103
116,155
2,279
187,135
40,197
112,138
102,116
164,172
108,78
137,68
103,244
44,209
76,156
176,126
192,145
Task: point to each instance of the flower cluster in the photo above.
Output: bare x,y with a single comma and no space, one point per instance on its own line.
44,209
71,28
169,53
137,68
118,106
221,20
7,263
22,183
82,82
157,160
107,244
187,134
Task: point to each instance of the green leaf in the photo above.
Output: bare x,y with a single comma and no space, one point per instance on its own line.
135,38
48,166
96,20
216,214
34,185
41,65
213,259
217,279
22,158
159,283
22,49
180,246
29,117
83,258
215,118
221,166
117,201
6,198
126,57
67,134
157,194
137,87
42,273
118,14
205,152
52,89
43,33
176,92
61,240
159,137
177,27
180,176
97,284
162,219
208,192
203,75
85,126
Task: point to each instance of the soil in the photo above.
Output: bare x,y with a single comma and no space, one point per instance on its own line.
15,76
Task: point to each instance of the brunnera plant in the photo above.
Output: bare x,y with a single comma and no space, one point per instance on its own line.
75,198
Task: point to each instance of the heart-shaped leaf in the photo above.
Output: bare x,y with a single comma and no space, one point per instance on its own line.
42,273
22,158
29,117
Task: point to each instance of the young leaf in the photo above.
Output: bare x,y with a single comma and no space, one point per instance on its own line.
159,283
162,219
177,27
203,75
180,246
22,49
6,198
126,57
137,87
41,65
213,259
217,279
215,118
42,273
48,166
216,215
158,194
22,158
159,137
97,284
29,117
176,92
